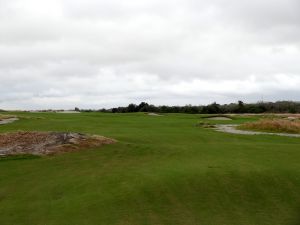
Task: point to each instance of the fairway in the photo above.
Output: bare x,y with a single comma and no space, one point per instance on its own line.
164,170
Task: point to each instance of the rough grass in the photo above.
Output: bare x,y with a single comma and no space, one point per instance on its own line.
163,171
273,125
3,117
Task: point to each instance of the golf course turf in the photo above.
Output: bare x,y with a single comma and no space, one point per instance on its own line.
163,170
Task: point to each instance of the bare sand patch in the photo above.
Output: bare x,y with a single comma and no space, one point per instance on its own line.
48,143
8,120
68,112
153,114
232,129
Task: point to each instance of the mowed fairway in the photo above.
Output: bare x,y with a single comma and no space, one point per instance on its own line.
163,170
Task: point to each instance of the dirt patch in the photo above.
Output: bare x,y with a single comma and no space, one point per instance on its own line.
48,143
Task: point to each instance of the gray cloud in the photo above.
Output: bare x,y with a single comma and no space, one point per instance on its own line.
88,53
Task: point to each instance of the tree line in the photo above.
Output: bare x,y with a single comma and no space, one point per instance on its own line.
214,108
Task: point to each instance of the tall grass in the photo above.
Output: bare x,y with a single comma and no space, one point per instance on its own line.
273,125
3,117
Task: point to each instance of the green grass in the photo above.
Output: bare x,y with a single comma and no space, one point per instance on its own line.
163,170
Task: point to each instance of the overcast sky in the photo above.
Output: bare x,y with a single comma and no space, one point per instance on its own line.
96,53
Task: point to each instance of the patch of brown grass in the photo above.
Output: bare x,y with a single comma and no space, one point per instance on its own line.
4,117
273,125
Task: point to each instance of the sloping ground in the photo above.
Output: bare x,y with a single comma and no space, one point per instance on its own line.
45,143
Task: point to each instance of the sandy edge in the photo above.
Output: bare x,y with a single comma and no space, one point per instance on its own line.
232,129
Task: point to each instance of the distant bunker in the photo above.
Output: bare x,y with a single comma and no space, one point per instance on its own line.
8,120
48,143
68,112
154,114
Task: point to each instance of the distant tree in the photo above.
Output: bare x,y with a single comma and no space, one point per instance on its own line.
131,108
143,107
152,108
77,109
164,109
213,108
241,107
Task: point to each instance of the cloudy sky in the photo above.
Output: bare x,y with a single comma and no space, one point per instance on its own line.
96,53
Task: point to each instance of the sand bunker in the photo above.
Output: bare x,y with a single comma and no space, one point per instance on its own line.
68,112
154,114
232,129
47,143
9,120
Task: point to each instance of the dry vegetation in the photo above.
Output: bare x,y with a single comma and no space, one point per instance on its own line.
4,117
47,143
274,125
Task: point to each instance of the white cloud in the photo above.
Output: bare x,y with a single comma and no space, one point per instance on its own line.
61,54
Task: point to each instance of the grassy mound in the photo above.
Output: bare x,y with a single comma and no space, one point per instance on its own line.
273,125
